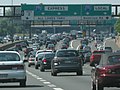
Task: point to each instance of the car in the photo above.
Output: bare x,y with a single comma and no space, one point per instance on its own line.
51,47
96,56
45,61
37,61
12,68
66,60
108,49
31,60
106,73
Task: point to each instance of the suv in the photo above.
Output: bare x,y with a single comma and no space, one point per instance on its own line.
66,60
12,68
106,73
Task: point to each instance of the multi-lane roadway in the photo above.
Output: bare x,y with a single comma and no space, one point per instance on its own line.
37,80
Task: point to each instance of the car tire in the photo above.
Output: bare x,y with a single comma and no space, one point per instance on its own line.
42,69
53,73
79,72
36,66
99,86
93,86
29,65
23,83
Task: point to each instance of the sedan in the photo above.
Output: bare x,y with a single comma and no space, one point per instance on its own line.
66,60
12,68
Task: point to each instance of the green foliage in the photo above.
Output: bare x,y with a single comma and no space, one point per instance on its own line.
117,26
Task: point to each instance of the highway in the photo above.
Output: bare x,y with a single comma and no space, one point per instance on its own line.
37,80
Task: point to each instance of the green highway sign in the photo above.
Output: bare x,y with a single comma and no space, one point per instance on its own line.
96,12
66,12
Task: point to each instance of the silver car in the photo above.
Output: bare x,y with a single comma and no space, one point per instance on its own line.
12,68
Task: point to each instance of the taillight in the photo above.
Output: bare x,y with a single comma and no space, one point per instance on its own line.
18,67
44,60
104,71
92,57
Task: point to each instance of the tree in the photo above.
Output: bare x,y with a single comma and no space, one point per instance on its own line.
117,26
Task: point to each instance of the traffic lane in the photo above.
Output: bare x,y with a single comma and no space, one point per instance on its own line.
111,42
65,81
31,84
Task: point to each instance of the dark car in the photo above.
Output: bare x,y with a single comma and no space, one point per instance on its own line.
45,61
66,60
108,49
106,73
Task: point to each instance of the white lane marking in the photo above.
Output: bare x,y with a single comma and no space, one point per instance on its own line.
46,82
39,78
57,88
43,80
78,47
52,85
71,44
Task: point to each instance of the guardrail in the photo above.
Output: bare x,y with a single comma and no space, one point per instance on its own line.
6,46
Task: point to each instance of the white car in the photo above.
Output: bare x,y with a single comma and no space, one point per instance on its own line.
12,68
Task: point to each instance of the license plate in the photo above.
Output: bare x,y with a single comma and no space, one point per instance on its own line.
67,61
3,75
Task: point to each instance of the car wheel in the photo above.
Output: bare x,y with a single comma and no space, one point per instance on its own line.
99,86
93,86
29,65
42,69
36,66
53,73
23,83
79,72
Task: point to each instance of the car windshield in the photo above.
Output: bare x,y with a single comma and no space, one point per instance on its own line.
9,57
114,60
67,54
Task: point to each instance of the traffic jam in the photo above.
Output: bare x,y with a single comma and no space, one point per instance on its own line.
56,52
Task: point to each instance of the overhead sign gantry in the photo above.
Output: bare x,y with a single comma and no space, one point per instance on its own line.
66,12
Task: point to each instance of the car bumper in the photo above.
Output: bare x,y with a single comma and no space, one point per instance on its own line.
110,81
67,68
12,76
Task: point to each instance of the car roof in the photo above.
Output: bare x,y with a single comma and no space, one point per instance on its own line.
9,52
105,57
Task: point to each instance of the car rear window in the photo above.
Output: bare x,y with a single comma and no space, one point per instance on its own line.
9,57
49,55
114,60
67,54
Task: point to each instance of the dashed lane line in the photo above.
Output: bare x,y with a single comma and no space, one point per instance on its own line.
57,88
49,84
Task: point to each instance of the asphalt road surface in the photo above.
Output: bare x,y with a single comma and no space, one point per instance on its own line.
37,80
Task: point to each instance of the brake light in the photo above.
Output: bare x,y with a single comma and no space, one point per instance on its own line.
44,60
17,67
104,71
92,57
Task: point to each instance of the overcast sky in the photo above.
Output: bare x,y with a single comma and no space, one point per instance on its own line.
18,2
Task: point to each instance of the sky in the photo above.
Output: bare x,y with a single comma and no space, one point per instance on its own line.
19,2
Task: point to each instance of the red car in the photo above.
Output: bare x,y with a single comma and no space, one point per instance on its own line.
96,56
107,72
